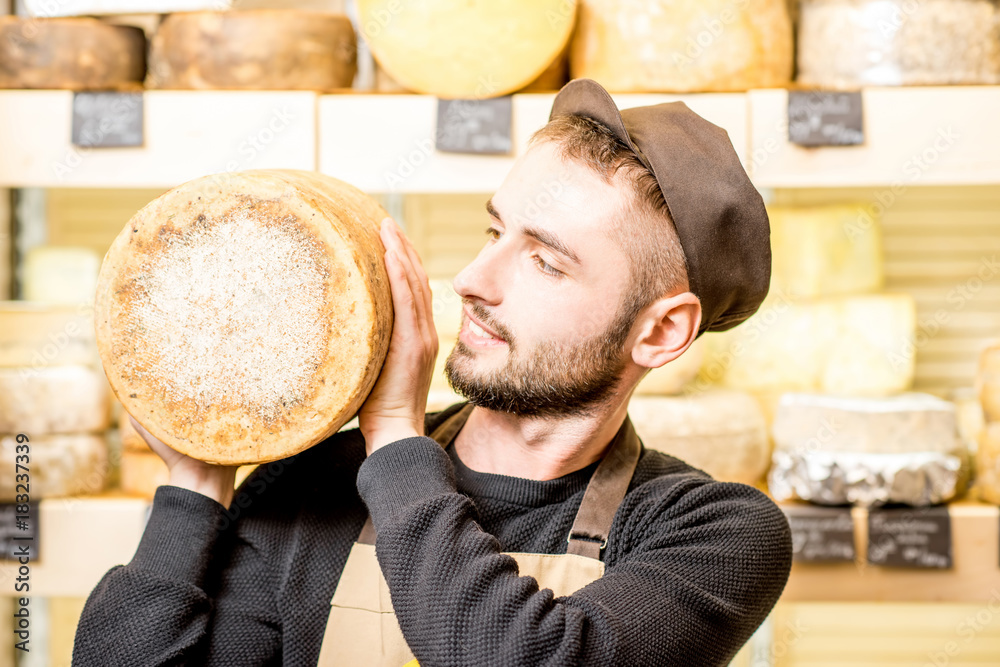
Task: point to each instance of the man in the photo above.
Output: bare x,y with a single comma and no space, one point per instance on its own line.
531,527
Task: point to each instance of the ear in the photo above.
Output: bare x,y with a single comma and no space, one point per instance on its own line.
667,327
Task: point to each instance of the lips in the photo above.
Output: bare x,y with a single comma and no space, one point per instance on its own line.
482,326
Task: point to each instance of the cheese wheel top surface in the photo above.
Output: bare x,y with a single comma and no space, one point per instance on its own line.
466,49
242,318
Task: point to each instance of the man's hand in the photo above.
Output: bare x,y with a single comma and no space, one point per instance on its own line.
395,408
218,482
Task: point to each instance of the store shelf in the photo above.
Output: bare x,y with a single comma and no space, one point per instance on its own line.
913,137
187,134
974,577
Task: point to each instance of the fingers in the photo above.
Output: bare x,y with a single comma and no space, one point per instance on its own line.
415,277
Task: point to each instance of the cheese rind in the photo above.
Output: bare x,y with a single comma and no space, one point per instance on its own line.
61,465
242,318
260,49
719,431
71,54
683,46
60,399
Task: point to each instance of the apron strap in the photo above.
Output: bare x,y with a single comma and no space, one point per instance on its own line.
605,492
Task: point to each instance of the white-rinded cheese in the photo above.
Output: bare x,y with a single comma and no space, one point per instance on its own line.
902,424
242,318
70,53
683,45
988,381
59,465
65,275
858,345
825,250
58,399
466,50
673,376
259,49
721,432
37,335
988,464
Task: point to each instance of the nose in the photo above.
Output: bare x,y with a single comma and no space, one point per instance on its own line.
480,278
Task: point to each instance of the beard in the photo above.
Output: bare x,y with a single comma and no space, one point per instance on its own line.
549,380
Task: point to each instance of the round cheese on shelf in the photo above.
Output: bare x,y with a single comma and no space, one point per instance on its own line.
721,432
260,49
40,335
70,53
242,318
58,399
60,465
683,45
989,382
466,50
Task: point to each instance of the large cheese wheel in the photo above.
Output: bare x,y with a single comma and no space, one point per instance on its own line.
988,464
825,250
38,335
70,53
466,50
57,399
989,382
261,49
60,465
243,318
683,45
54,274
721,432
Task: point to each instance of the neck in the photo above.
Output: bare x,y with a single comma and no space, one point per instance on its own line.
537,448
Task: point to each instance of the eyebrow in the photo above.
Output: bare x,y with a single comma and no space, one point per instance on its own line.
547,239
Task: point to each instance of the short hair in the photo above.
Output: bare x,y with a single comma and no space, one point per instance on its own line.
646,233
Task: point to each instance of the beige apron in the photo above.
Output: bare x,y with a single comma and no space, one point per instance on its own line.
362,628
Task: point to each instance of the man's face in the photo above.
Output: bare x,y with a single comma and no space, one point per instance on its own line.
548,286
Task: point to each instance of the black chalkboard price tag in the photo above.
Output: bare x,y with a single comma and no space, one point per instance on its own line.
475,126
910,537
107,120
19,532
825,118
821,534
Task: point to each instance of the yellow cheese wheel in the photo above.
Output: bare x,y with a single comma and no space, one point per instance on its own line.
683,45
70,53
466,50
39,335
57,399
988,464
989,382
60,465
243,318
260,49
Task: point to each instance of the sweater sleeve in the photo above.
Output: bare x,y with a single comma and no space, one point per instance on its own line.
695,569
195,593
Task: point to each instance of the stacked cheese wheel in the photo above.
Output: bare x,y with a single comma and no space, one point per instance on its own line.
70,53
243,318
259,49
988,458
52,393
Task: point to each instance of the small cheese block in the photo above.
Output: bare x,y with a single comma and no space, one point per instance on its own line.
38,335
719,431
58,399
243,318
988,464
683,45
673,376
70,53
131,440
60,465
988,381
259,49
466,50
65,275
903,424
825,250
855,345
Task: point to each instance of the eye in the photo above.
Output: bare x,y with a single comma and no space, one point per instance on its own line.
545,268
493,233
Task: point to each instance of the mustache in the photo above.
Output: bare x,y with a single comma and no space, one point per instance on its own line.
486,318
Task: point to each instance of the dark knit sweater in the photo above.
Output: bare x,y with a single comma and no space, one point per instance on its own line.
692,565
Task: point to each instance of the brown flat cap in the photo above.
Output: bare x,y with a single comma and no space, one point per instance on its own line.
719,215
